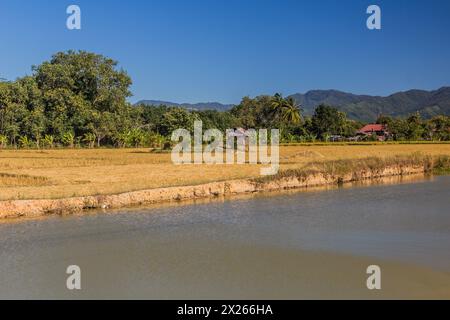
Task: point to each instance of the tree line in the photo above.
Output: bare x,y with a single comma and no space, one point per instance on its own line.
79,99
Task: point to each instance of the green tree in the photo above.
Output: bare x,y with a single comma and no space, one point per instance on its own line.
291,111
438,128
84,92
278,104
255,113
415,127
177,118
101,125
328,121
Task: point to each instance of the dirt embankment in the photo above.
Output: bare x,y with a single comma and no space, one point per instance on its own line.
283,181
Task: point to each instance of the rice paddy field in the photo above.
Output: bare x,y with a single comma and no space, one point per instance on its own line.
62,173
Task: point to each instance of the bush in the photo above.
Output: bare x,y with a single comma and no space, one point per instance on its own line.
3,141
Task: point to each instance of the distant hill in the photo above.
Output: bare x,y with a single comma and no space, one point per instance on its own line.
368,108
190,106
358,107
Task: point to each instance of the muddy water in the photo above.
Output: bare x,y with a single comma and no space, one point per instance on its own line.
294,245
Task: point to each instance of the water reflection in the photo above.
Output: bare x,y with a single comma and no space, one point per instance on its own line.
279,245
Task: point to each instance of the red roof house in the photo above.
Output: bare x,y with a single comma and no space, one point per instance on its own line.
380,130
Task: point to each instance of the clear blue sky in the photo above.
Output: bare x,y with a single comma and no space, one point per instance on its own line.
222,50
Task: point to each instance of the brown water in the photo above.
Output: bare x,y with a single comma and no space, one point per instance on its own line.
293,245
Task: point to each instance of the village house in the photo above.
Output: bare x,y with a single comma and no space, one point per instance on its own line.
378,130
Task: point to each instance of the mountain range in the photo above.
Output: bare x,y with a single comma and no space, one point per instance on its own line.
358,107
368,108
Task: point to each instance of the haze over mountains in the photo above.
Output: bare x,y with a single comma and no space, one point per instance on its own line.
358,107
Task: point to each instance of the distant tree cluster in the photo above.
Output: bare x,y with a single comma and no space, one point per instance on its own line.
285,114
415,128
79,99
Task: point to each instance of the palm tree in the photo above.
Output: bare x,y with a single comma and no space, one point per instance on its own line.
291,111
286,109
277,101
277,106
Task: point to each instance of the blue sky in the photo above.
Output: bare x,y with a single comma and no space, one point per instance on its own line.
222,50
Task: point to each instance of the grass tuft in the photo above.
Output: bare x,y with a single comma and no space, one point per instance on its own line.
21,180
441,165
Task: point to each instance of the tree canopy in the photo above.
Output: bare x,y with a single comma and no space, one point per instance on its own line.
81,99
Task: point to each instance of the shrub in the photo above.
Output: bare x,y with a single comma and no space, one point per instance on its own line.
3,141
49,141
68,139
24,142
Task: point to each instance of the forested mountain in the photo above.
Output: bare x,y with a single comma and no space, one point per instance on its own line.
368,108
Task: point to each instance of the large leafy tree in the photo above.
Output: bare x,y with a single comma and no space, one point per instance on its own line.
255,113
83,93
438,128
415,127
328,120
92,76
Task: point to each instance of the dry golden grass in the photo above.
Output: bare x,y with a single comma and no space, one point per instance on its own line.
49,174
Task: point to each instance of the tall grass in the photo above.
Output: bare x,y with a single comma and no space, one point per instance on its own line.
431,164
22,180
441,165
